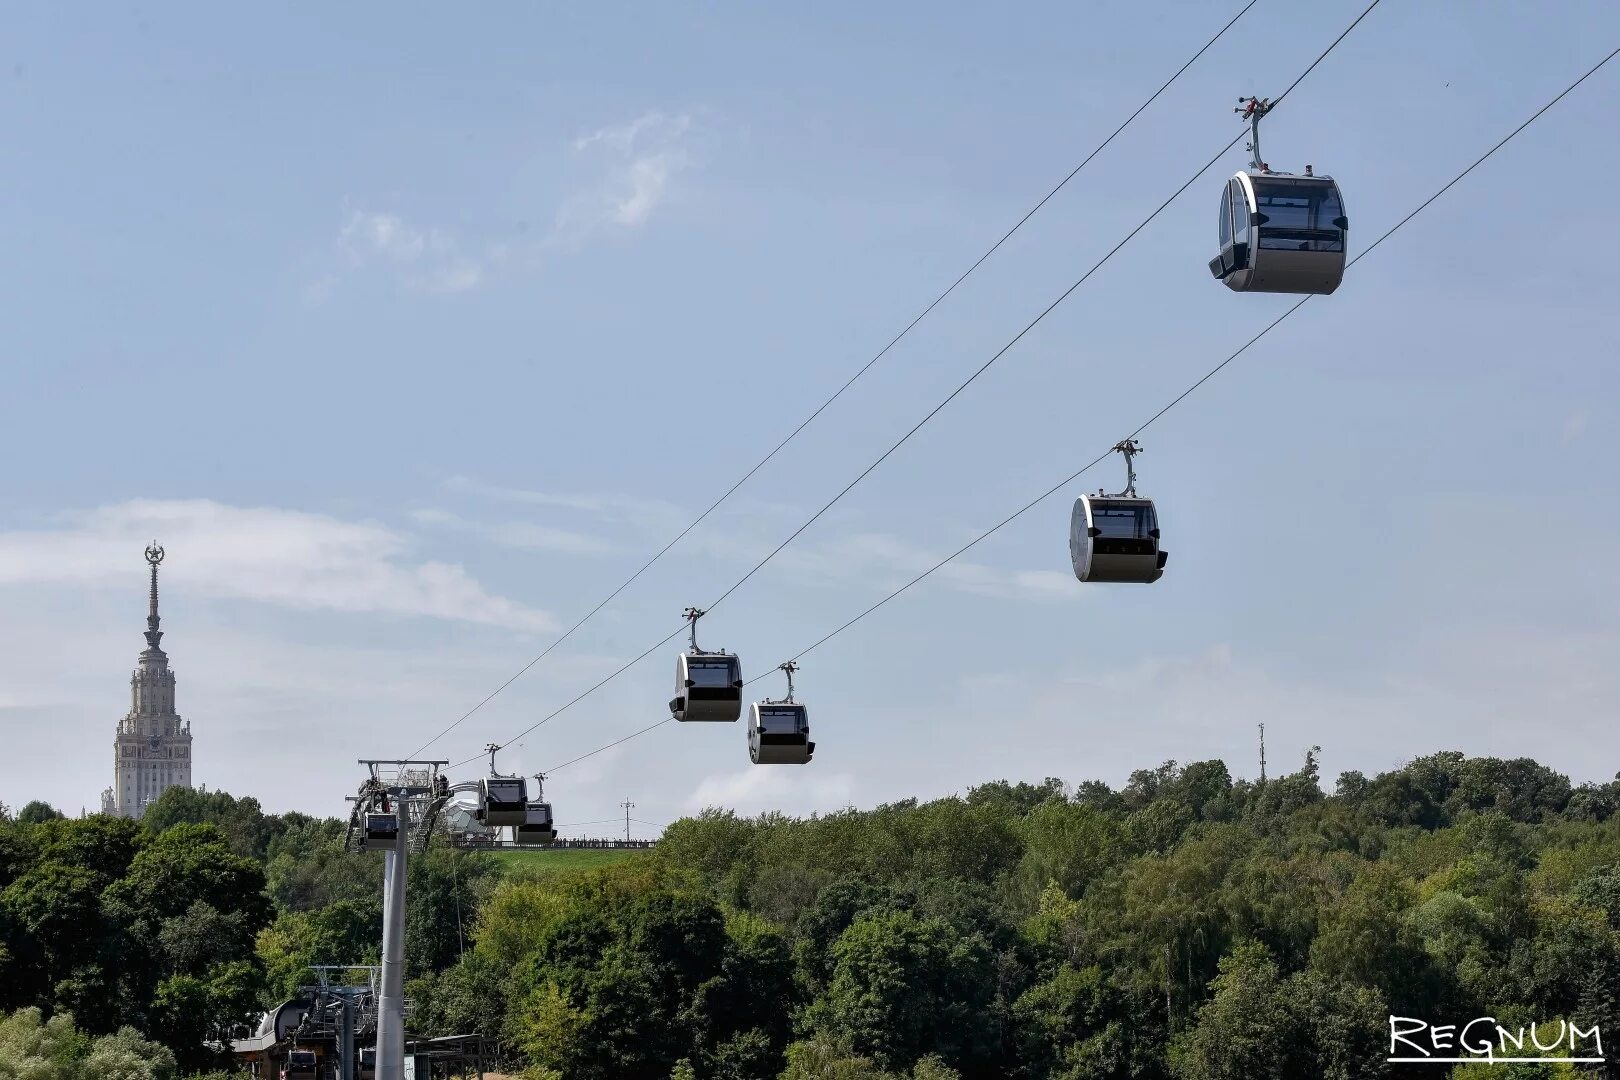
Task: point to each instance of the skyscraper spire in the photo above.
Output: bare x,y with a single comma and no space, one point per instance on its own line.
154,555
152,750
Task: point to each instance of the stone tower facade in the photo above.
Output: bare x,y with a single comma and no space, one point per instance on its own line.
152,751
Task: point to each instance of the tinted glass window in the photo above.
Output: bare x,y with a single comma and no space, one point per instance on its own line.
506,790
1226,216
1123,522
779,721
710,673
1299,216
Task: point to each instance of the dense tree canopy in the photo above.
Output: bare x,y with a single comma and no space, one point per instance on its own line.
1185,926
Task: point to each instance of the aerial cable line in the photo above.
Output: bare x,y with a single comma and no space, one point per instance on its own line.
864,473
609,746
1177,400
881,353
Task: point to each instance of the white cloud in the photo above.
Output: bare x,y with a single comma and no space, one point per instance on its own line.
366,234
624,137
645,180
891,562
458,276
642,158
427,259
283,557
522,535
878,562
631,510
636,164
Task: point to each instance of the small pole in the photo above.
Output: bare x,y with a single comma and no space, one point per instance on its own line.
628,806
1262,753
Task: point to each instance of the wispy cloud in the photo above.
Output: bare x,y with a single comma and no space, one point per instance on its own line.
641,159
283,557
891,561
746,533
625,137
612,507
429,259
522,535
633,168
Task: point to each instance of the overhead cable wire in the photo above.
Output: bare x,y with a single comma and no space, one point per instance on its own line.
1179,398
881,353
954,393
609,746
1036,321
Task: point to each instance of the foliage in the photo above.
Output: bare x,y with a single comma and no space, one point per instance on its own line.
123,929
1186,925
904,986
32,1048
37,813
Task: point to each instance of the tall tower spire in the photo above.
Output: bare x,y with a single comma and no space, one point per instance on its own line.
154,555
152,751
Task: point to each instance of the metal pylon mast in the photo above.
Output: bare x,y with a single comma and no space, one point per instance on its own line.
412,790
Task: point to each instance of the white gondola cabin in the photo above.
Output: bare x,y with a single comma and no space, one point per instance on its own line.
708,688
1281,233
708,685
537,827
779,733
504,801
1115,538
381,831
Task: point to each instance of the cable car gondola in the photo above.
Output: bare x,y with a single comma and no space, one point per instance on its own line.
301,1065
708,685
381,831
779,731
1279,233
537,826
503,800
1116,537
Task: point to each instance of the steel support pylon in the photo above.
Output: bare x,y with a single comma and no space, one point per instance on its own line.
391,1000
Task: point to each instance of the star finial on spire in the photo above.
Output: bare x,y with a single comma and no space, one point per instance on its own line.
154,555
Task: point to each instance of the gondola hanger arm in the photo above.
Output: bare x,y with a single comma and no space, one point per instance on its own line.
692,615
1253,109
1129,448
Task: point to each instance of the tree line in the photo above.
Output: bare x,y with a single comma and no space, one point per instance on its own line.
1184,926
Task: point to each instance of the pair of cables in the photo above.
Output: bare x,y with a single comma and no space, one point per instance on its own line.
928,416
808,420
1177,400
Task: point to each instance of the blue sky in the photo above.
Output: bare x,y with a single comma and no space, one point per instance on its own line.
411,332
